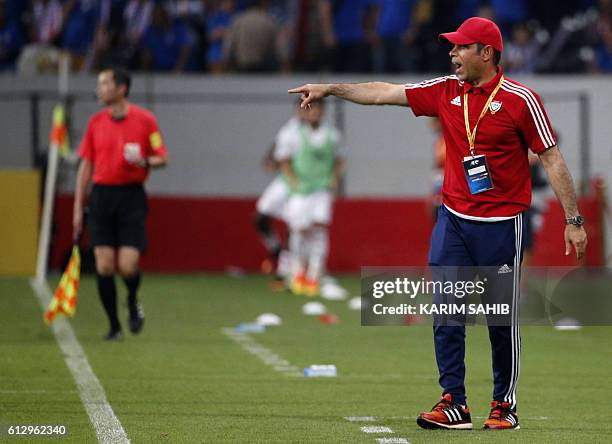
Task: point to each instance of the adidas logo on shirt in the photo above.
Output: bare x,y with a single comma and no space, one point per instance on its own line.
504,269
456,101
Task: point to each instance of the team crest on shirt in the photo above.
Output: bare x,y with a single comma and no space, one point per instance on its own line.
495,106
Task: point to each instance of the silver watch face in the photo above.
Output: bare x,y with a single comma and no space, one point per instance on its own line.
576,220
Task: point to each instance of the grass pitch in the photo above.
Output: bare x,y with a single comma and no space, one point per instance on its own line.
184,381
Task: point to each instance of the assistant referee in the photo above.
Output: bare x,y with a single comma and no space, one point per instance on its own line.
121,143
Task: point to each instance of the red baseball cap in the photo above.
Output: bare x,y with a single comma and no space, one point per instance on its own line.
475,30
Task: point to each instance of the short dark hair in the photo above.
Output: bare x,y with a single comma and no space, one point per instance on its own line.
121,76
496,53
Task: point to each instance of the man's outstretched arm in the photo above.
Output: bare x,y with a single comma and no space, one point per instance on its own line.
370,93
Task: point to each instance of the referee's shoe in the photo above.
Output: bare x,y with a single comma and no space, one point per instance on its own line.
446,414
501,417
136,318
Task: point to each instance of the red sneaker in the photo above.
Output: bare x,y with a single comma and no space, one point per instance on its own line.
446,414
501,417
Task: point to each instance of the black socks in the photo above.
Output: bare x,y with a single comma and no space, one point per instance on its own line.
108,295
132,283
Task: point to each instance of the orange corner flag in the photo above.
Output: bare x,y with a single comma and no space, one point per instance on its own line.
65,298
59,131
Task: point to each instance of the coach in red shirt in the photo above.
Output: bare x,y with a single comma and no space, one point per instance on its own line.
489,124
121,143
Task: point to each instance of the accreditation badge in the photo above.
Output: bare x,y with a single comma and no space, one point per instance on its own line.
477,173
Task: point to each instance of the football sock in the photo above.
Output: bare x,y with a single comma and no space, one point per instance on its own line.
319,247
108,295
268,236
132,283
297,244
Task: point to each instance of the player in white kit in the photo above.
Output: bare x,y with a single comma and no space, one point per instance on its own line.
312,166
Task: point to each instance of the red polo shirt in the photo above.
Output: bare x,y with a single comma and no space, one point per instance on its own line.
105,141
519,123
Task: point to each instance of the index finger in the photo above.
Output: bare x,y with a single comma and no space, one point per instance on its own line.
299,89
580,250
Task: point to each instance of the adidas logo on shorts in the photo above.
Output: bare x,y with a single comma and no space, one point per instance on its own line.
456,101
504,269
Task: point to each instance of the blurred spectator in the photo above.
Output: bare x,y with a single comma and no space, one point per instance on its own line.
307,44
167,43
345,26
391,45
520,54
81,20
107,44
508,13
217,27
137,18
192,14
287,14
44,21
603,54
433,17
437,177
122,24
251,45
186,10
270,35
603,24
11,38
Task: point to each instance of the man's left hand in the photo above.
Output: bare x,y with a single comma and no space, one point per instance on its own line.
576,236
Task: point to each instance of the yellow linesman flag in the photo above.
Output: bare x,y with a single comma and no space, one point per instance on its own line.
59,131
64,300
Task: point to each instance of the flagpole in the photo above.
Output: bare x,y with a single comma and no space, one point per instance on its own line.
50,181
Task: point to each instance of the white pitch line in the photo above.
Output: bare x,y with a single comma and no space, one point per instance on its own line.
108,428
376,429
266,355
360,418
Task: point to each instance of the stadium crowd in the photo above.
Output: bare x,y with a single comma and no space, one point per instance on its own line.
382,36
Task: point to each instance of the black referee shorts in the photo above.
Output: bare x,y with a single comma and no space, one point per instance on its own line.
117,215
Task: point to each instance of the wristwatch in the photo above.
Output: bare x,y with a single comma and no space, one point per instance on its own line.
576,220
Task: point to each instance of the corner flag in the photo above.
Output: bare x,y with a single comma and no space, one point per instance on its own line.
65,298
59,131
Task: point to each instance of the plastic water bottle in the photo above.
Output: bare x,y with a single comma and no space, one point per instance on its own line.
250,328
328,371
